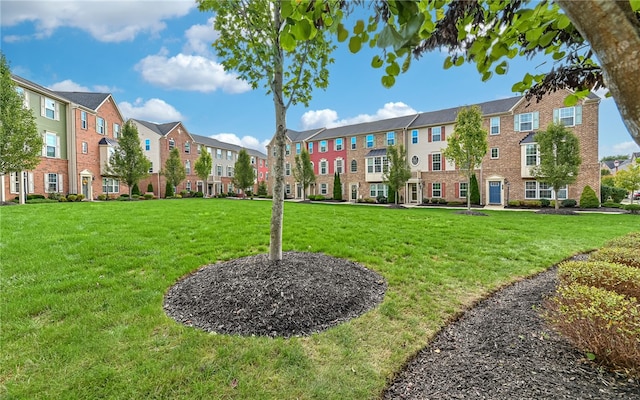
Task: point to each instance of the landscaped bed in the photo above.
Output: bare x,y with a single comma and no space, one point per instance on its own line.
84,286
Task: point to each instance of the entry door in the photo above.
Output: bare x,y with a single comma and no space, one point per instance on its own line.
413,191
299,191
354,192
495,194
85,187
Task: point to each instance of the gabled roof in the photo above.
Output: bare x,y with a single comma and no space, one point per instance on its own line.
383,125
160,129
528,138
89,100
377,153
298,136
449,115
39,88
211,142
108,141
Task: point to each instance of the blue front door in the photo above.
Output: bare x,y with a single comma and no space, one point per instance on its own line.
495,194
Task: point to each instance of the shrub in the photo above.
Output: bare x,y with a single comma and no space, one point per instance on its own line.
72,197
456,203
102,197
262,188
514,203
545,202
631,240
619,278
198,194
588,198
231,194
54,196
40,200
135,196
475,191
611,204
177,196
425,200
124,195
135,189
79,197
32,197
617,194
622,255
148,196
168,190
568,203
184,193
598,321
381,199
62,199
150,188
442,201
632,208
532,203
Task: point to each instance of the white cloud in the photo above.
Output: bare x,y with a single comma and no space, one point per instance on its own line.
625,147
153,110
189,72
200,38
249,142
68,86
329,118
106,21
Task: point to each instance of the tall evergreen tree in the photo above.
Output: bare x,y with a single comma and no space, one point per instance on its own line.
559,151
174,171
303,171
337,187
203,166
398,172
473,192
243,173
128,163
20,142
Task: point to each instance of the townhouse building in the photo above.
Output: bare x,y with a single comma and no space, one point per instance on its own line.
359,151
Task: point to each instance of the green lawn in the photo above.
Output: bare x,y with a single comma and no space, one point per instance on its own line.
82,288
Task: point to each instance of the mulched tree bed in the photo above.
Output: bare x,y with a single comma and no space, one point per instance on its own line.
302,294
502,349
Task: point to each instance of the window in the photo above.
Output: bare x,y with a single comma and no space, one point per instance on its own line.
24,96
50,109
526,122
463,189
230,187
391,138
415,160
147,144
287,150
354,166
187,167
14,182
544,190
311,148
338,167
436,189
253,160
436,162
150,167
110,185
229,155
100,127
187,148
188,186
323,146
494,126
494,153
414,136
172,144
51,145
568,116
377,164
354,142
378,189
261,163
287,169
219,153
298,148
539,190
83,119
229,171
85,147
370,142
287,189
323,167
116,131
199,149
52,183
338,144
323,188
532,156
219,170
436,134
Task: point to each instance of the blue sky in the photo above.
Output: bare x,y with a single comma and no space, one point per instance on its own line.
155,58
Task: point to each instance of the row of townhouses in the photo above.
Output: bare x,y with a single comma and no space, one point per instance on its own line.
358,153
80,132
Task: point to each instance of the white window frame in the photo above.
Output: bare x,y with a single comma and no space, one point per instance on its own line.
339,166
110,185
391,138
529,118
463,190
310,147
354,142
377,189
497,153
116,130
229,155
324,189
172,144
434,163
436,189
188,186
528,154
338,144
48,145
324,167
230,171
298,148
370,141
414,136
436,137
287,150
219,153
101,127
354,166
219,170
83,120
50,105
494,126
187,148
287,169
187,167
323,148
85,147
568,116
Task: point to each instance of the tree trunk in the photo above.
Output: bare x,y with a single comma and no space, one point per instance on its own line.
613,31
555,194
468,193
21,188
277,209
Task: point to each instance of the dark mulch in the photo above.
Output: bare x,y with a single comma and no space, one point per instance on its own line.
502,349
302,294
560,211
471,212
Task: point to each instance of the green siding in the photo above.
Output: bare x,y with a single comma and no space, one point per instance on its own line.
50,125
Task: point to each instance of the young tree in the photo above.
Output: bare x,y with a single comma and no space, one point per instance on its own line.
20,142
467,145
473,194
398,172
128,163
559,151
203,166
283,45
629,178
337,187
262,188
174,171
243,175
303,171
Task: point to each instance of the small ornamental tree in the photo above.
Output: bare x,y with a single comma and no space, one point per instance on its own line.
303,171
128,162
150,188
20,142
262,188
337,187
203,166
467,145
135,190
168,190
559,158
588,198
473,193
174,171
629,178
398,172
243,173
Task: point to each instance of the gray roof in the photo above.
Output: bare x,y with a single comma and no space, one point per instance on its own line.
89,100
160,129
38,87
377,153
528,138
297,136
384,125
108,141
211,142
449,115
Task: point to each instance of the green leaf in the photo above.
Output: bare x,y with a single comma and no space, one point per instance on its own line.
533,35
393,69
502,68
459,61
287,41
563,21
388,37
359,28
343,34
388,81
376,62
302,29
571,100
486,76
546,39
355,44
286,9
558,55
590,356
448,63
635,5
